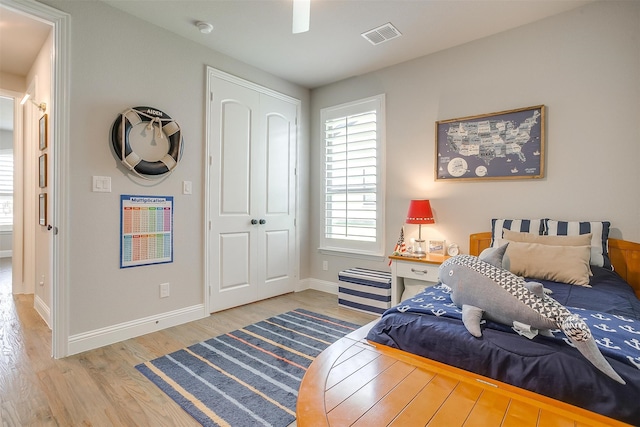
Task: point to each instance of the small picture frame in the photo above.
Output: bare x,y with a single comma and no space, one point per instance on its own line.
43,132
436,247
42,171
42,208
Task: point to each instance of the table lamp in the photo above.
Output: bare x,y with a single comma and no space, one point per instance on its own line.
420,213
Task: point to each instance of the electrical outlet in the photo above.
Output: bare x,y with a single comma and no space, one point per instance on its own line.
325,265
164,290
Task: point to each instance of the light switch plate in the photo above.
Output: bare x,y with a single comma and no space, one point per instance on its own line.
102,184
187,187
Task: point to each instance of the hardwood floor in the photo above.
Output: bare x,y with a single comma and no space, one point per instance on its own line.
102,387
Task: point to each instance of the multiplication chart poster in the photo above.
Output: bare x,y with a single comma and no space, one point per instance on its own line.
146,229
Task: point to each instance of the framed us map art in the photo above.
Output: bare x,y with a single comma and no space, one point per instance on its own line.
503,145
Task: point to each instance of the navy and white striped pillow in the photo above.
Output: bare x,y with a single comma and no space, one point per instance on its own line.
535,226
600,235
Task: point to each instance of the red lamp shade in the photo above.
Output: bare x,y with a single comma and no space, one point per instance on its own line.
420,213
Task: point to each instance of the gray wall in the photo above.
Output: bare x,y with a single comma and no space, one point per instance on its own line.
117,62
584,65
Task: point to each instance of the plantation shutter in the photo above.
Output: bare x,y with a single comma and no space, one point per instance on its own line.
352,208
6,190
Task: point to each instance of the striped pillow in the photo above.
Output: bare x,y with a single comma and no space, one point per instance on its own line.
600,235
535,226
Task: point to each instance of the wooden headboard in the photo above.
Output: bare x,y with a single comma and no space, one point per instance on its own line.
624,255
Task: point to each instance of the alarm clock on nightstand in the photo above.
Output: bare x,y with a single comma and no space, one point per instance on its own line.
453,250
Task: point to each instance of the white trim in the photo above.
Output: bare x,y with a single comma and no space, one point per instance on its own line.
60,115
123,331
42,309
320,285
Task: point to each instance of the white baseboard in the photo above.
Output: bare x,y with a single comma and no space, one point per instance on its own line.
116,333
318,285
42,309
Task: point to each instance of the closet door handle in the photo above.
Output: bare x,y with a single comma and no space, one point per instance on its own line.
254,221
263,221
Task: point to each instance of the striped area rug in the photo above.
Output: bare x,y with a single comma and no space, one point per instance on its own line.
248,377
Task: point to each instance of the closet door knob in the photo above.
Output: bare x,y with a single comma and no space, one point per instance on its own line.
263,221
254,221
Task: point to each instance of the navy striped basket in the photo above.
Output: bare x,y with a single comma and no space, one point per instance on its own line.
364,290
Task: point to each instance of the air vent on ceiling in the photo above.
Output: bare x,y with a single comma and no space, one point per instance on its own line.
382,34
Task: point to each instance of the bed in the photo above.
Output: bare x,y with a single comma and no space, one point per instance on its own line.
427,325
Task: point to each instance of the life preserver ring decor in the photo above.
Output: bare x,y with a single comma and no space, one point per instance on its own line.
158,122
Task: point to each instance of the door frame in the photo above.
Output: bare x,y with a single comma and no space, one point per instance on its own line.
59,137
214,72
17,279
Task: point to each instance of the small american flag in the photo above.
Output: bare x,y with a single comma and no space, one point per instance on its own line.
400,245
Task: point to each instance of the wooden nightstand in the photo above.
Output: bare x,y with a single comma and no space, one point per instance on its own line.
423,269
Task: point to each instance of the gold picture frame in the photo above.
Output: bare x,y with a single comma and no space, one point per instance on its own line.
42,171
42,208
499,146
44,134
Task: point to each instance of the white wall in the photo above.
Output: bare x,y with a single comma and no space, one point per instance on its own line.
37,242
117,62
584,65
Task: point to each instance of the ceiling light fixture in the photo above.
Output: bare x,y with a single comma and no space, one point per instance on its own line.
204,27
41,105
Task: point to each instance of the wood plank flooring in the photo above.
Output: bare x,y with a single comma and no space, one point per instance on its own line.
102,387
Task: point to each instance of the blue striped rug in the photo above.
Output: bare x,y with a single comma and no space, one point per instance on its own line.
248,377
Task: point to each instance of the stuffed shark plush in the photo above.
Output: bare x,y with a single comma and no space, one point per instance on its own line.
484,288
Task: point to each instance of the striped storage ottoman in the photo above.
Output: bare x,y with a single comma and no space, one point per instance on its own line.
364,290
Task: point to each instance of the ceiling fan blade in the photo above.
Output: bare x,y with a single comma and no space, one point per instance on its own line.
301,16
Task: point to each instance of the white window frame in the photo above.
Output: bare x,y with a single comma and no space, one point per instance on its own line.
349,247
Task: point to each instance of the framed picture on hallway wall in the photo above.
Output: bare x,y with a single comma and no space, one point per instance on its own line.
42,208
43,132
42,171
503,145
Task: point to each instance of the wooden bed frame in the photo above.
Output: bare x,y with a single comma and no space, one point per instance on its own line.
624,255
357,382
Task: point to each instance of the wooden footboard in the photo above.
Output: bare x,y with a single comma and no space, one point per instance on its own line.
358,383
624,255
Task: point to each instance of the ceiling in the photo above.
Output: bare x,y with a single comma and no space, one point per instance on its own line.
21,38
258,32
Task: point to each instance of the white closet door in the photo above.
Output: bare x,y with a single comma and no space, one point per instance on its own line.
252,201
275,197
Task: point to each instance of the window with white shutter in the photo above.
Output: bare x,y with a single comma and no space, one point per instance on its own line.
353,184
6,190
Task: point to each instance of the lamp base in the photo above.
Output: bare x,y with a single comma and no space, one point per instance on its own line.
419,248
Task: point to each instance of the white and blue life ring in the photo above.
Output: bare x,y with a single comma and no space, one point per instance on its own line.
157,121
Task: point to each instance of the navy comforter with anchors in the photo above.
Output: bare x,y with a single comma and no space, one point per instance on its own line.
430,325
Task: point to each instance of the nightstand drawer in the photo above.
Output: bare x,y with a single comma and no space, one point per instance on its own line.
418,271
